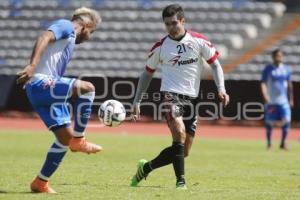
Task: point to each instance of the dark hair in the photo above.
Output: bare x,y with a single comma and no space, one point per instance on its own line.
275,52
173,9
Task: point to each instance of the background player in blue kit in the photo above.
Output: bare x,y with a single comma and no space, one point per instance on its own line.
50,93
277,90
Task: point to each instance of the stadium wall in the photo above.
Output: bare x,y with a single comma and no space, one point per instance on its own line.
243,94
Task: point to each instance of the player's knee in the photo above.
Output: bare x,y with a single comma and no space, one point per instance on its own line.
269,124
285,124
89,87
85,87
82,87
177,137
178,131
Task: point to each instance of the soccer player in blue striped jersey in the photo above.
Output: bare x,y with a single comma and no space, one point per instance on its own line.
50,93
277,90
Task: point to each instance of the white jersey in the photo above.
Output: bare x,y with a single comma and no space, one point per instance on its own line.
181,62
56,56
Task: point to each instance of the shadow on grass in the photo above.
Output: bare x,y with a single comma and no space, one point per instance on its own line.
16,192
146,186
109,185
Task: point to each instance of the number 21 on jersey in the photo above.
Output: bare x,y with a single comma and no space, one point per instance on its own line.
181,48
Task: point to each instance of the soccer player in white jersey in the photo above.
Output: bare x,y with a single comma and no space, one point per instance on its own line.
179,55
277,90
50,93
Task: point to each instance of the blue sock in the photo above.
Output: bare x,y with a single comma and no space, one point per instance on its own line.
269,134
285,131
82,112
55,155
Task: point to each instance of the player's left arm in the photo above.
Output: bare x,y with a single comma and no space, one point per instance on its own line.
40,45
218,75
210,54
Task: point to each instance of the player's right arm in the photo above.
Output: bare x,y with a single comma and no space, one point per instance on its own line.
40,45
290,89
263,85
142,87
60,29
145,79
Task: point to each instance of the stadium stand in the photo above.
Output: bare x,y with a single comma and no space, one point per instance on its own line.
251,70
129,29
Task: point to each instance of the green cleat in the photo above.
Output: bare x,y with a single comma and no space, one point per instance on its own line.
139,174
181,186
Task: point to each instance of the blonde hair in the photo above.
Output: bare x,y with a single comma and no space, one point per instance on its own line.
88,16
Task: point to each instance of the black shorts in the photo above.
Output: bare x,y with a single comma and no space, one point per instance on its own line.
178,105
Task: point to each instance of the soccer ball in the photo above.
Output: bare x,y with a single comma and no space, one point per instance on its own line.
111,113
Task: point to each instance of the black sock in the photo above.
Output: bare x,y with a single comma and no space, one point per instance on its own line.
164,158
178,161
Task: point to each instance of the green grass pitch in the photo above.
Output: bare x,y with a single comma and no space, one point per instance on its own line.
216,169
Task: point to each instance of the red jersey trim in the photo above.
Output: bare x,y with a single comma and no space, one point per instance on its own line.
213,58
197,35
149,69
158,44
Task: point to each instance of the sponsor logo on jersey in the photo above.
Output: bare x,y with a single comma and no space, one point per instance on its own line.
189,61
176,60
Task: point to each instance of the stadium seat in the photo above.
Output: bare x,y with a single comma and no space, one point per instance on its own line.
289,45
129,29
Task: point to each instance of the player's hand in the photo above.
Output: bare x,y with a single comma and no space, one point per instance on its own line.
25,75
224,98
136,112
266,100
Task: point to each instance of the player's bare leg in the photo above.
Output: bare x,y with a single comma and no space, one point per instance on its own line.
64,135
188,144
82,98
177,129
81,87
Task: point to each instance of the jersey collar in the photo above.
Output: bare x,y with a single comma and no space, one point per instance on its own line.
179,39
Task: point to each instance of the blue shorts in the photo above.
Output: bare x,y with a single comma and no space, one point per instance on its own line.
49,98
275,112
